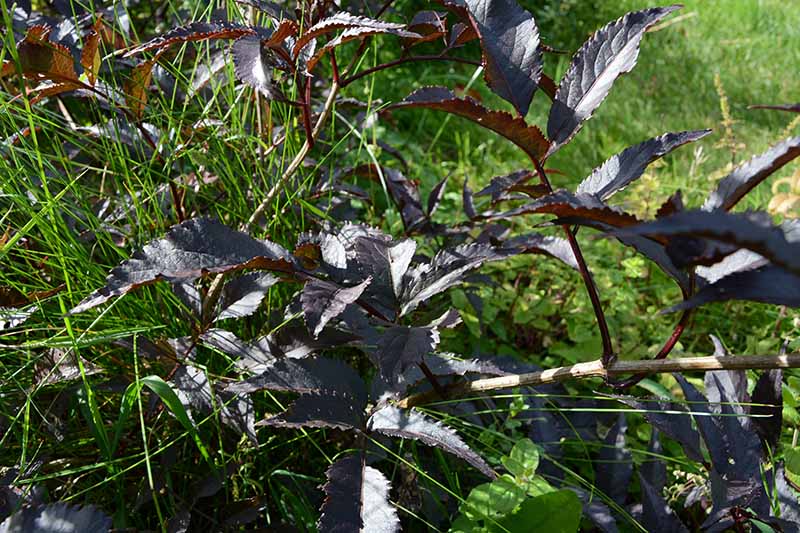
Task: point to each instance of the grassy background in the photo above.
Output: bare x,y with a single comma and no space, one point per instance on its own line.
700,70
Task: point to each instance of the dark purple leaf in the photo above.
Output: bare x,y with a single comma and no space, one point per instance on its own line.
329,409
583,209
653,469
787,496
386,262
59,366
614,463
469,203
501,186
195,31
57,518
254,356
672,420
430,25
529,138
253,62
673,204
509,39
596,511
304,375
411,424
242,296
768,391
627,166
355,27
447,269
767,284
404,193
323,301
460,34
739,261
611,51
399,347
189,250
748,175
356,499
11,317
536,243
794,108
194,391
435,197
751,230
656,514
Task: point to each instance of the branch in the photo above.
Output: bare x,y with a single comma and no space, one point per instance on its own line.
596,369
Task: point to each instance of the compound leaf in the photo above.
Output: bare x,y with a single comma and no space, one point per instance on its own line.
611,51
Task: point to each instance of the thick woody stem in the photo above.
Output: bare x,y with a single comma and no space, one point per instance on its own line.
596,369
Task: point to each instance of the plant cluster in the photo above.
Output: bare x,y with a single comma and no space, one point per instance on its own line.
364,311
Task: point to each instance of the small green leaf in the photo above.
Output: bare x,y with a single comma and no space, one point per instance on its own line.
523,459
792,459
555,512
493,500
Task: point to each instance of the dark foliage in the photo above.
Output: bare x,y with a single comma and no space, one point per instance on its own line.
358,294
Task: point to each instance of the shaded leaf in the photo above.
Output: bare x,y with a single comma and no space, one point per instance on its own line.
753,231
512,58
411,424
468,201
656,514
554,512
435,197
194,391
189,250
609,52
399,347
242,296
304,376
749,174
57,518
195,31
356,499
768,391
501,186
627,166
136,86
673,204
58,366
323,301
614,464
529,138
329,409
672,420
91,53
254,356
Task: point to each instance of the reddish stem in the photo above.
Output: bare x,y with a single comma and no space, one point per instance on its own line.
588,280
407,59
